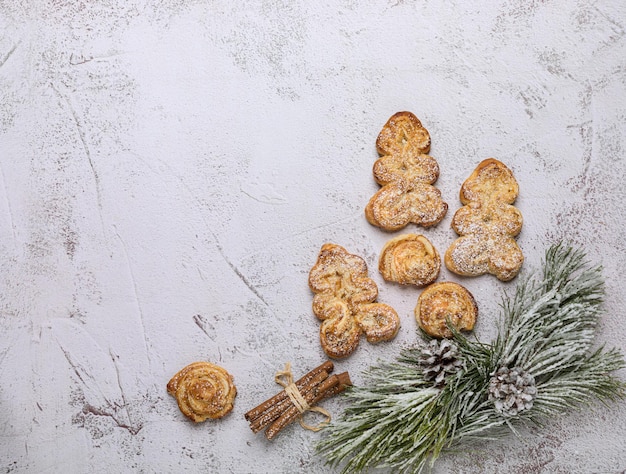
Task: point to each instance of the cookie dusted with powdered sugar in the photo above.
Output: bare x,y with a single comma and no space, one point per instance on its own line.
487,224
445,304
345,302
406,173
202,391
409,259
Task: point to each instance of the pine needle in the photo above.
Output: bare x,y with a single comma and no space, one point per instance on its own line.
400,420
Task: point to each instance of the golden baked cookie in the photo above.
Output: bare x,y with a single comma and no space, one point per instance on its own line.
409,259
406,174
345,302
379,321
445,303
487,224
339,332
203,390
402,130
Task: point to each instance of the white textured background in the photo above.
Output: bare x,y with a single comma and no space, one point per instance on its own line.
170,169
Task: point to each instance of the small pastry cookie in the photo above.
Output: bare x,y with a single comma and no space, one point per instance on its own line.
203,390
403,130
379,321
345,302
445,302
406,174
409,259
487,224
339,332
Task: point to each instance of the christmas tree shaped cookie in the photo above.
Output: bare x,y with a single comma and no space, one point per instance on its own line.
487,224
406,174
345,301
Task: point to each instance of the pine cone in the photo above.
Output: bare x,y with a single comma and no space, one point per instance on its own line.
512,390
440,359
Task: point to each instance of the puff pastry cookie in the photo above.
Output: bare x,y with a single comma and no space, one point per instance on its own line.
487,224
406,174
409,259
345,302
203,390
445,302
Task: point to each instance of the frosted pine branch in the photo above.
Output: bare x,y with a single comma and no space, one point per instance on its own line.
545,336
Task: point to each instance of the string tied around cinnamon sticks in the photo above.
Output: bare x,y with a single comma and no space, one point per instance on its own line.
285,379
302,395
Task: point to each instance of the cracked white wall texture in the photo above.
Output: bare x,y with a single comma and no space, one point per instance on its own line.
169,171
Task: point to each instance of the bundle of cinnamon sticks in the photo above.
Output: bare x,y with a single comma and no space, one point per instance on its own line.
279,411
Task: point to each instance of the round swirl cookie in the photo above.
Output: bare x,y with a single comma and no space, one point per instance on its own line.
445,303
203,390
409,259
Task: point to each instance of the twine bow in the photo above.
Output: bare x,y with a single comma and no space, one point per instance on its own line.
285,379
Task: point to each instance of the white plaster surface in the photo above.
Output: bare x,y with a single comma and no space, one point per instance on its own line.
170,169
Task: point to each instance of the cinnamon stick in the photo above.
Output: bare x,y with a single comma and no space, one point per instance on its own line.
272,413
331,386
282,395
344,382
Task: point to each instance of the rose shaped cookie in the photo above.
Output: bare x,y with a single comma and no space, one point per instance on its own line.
203,390
487,224
345,301
406,174
445,303
409,259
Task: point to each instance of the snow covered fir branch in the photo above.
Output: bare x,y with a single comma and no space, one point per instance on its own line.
440,394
